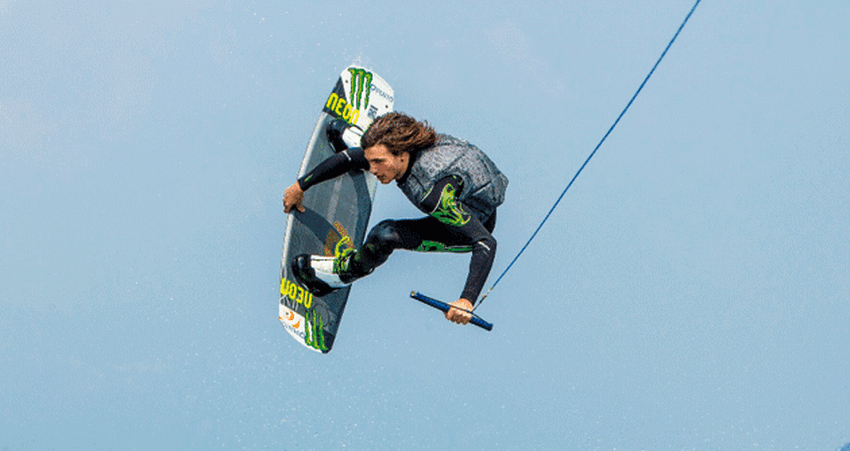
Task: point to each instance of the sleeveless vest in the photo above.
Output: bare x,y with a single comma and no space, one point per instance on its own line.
484,184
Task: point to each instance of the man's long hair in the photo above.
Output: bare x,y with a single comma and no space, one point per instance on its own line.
400,133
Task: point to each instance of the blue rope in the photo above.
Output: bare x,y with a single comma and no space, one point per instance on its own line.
546,218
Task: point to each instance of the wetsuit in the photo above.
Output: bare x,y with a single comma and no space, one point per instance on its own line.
455,184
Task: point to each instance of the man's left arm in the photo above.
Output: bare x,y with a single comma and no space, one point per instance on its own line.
449,210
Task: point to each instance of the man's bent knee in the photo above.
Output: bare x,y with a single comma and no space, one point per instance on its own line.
385,235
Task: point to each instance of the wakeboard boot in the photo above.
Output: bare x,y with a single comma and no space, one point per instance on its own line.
341,135
320,275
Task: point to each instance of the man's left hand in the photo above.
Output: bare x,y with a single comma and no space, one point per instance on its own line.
460,311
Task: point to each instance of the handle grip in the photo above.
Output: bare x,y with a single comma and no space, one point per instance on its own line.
440,305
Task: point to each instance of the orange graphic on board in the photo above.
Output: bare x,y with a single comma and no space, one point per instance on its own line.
335,236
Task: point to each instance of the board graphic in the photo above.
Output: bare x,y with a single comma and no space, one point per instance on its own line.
336,210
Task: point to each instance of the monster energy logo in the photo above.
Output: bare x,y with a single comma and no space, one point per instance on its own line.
314,336
361,80
361,87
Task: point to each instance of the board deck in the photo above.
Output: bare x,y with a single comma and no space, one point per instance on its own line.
335,210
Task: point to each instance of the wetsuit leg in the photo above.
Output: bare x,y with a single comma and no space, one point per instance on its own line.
382,240
421,235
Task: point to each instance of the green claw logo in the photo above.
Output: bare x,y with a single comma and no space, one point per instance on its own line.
361,80
450,212
314,336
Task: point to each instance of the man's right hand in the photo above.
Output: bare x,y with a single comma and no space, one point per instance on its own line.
293,197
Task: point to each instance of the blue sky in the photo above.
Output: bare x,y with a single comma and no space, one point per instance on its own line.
692,291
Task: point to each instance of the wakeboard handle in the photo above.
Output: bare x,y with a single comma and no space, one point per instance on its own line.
440,305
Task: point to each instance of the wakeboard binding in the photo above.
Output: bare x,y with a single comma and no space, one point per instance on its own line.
341,136
318,275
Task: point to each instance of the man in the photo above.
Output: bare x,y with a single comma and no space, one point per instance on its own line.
450,180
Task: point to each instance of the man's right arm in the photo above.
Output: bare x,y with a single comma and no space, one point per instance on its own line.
335,166
332,167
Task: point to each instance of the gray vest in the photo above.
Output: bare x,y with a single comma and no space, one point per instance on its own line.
483,184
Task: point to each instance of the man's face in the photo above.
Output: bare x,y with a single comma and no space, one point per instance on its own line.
384,165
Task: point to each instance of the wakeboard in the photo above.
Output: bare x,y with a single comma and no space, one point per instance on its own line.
336,210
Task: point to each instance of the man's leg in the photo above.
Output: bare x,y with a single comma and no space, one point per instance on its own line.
383,239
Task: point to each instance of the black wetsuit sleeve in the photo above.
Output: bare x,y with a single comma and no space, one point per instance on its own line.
483,254
334,166
441,202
